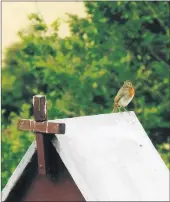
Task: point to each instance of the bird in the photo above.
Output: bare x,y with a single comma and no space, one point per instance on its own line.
124,96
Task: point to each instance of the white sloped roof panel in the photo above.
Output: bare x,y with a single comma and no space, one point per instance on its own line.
111,158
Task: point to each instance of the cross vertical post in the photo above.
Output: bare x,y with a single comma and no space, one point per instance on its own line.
40,115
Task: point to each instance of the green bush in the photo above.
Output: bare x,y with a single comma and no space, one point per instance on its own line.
81,74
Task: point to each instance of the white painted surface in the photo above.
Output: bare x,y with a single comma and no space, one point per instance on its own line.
18,171
104,157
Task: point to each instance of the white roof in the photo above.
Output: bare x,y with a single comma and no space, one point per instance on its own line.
111,158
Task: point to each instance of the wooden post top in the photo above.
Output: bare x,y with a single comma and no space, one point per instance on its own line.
42,127
40,108
40,124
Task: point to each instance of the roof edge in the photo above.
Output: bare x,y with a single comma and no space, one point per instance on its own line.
93,115
18,171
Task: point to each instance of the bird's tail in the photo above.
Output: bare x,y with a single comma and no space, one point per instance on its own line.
115,107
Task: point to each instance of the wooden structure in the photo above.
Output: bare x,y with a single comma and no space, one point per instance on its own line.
41,174
106,157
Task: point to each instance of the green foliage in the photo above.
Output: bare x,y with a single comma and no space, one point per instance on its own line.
163,149
14,143
81,74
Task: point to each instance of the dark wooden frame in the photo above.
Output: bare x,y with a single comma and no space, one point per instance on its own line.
42,127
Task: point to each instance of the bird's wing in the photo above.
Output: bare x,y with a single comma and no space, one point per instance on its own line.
119,95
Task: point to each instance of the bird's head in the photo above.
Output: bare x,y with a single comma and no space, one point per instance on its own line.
128,84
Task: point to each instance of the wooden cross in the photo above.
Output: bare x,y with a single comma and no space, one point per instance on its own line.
42,128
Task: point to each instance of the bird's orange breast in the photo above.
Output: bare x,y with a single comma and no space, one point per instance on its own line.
131,92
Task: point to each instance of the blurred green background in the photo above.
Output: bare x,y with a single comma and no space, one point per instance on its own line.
81,74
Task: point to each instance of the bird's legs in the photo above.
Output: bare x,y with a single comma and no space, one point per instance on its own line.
119,109
126,110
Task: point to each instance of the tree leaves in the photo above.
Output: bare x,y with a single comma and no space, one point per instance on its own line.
80,74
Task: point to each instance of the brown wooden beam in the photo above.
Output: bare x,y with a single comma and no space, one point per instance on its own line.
40,115
42,165
41,127
47,127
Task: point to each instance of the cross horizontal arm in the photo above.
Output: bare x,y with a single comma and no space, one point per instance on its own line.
42,127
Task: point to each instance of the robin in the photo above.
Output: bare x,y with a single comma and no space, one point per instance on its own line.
124,96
